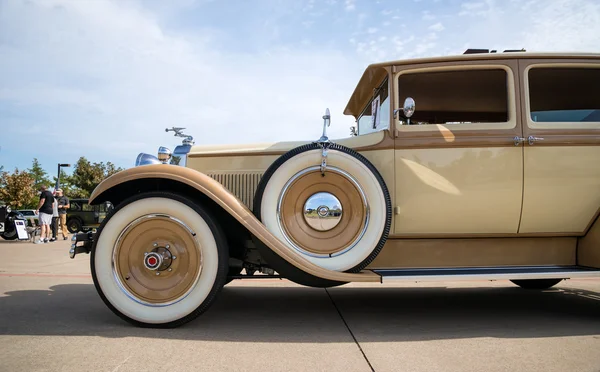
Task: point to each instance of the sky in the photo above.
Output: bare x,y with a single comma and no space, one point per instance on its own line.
104,78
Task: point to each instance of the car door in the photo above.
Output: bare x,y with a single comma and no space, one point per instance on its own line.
561,121
459,171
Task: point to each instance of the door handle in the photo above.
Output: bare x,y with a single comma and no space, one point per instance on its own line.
518,140
532,139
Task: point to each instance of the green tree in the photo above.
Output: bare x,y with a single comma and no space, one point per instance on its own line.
86,176
66,184
17,190
40,177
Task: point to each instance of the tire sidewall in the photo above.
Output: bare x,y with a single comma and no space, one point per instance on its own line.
211,277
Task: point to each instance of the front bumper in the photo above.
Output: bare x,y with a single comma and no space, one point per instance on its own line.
82,243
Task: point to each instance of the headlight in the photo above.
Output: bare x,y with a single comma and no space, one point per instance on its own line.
146,159
164,154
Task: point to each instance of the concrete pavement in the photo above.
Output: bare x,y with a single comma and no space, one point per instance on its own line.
53,320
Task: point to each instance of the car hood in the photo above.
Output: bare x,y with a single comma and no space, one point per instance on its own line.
280,147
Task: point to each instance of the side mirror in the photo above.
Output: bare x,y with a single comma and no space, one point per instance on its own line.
407,110
409,107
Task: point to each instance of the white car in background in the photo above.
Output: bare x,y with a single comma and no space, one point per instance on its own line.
31,216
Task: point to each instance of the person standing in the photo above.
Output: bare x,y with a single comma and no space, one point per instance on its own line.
54,218
44,210
63,205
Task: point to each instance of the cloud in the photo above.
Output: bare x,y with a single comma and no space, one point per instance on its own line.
437,27
109,72
350,5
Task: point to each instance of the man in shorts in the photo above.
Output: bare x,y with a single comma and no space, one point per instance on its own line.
45,214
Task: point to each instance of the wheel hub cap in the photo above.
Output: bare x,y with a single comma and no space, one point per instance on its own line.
158,259
322,211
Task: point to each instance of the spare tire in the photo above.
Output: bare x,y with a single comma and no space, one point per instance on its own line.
338,219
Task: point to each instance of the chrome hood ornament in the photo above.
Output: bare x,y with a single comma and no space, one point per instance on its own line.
188,140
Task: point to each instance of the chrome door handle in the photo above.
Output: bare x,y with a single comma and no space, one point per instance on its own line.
532,139
518,140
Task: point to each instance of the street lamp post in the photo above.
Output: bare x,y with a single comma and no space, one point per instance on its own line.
58,175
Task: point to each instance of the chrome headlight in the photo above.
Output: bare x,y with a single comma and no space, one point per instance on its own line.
164,154
146,159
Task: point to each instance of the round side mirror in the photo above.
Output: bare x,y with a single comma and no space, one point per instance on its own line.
409,107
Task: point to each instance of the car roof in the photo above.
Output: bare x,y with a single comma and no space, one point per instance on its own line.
374,73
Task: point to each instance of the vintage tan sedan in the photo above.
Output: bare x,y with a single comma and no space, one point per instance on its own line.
475,166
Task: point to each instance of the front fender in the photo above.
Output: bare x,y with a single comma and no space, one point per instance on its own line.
232,205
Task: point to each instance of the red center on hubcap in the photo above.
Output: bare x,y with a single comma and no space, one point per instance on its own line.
152,261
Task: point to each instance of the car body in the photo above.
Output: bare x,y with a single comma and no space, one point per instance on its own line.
82,216
475,166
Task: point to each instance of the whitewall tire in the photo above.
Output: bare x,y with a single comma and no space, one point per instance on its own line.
159,260
349,177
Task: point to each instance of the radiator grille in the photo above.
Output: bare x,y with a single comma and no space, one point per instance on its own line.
242,185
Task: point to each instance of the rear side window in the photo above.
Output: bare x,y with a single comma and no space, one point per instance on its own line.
564,94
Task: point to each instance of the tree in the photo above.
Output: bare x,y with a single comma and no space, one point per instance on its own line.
17,189
40,177
66,184
86,176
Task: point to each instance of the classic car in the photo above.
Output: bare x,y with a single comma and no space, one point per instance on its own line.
81,216
483,165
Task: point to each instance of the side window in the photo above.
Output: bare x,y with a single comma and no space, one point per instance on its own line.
88,208
564,94
376,116
75,206
457,96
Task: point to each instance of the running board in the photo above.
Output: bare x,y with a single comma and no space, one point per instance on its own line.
488,273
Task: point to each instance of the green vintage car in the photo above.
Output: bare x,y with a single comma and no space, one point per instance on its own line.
82,217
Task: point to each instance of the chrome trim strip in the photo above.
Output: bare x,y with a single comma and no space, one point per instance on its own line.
127,228
329,169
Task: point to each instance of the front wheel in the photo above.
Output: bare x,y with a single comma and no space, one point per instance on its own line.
536,283
9,236
159,260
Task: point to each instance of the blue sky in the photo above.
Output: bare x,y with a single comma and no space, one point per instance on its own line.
103,79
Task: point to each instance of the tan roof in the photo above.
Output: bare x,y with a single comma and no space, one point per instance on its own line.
375,73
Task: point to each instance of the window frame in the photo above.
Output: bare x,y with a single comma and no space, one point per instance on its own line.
554,125
510,90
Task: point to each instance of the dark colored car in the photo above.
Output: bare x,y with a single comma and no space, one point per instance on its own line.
7,222
82,217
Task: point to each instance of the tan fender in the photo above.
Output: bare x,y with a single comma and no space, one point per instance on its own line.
233,206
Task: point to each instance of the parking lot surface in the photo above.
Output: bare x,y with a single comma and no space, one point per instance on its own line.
53,320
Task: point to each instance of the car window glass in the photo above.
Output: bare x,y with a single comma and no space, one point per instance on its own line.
456,97
88,208
564,94
75,206
369,123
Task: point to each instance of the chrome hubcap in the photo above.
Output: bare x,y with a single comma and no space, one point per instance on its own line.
158,259
322,211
